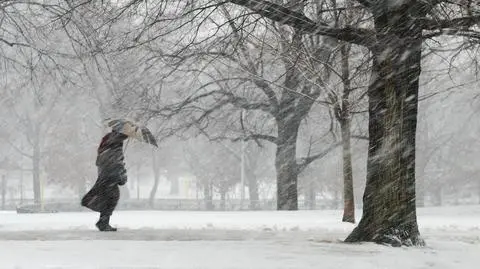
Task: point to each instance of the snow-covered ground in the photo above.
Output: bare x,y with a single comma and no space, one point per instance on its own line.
267,240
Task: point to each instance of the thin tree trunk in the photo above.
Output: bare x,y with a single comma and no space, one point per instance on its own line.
310,196
21,184
478,191
286,166
156,177
4,191
207,195
36,166
345,122
223,203
389,208
253,190
348,194
138,181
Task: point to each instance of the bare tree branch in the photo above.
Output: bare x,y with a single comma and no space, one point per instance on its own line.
12,44
265,87
304,162
278,13
17,149
456,23
256,137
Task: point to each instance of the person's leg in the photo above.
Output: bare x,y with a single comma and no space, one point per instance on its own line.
112,196
103,223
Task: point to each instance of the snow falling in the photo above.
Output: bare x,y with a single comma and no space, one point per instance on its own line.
239,134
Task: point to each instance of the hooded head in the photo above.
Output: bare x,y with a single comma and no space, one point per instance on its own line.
111,140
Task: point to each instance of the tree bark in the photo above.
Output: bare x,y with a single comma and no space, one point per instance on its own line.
291,111
389,206
348,194
286,165
345,125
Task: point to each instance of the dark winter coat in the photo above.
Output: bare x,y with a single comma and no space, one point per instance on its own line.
104,195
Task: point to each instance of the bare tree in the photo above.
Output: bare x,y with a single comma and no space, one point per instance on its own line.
398,31
37,116
156,177
346,101
279,82
281,95
41,71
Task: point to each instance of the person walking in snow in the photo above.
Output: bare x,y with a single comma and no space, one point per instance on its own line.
104,195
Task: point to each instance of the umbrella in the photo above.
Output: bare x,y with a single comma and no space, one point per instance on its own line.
133,130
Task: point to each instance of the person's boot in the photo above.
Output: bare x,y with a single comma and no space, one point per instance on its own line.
104,226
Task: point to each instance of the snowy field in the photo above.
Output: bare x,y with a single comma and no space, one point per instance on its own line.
222,240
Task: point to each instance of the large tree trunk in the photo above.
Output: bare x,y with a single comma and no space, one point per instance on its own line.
288,118
389,210
348,196
286,166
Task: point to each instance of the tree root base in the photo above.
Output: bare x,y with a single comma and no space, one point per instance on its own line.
392,237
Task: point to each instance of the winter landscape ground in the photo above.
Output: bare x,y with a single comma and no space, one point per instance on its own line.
169,239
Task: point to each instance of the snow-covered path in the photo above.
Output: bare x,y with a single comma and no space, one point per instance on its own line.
304,239
231,254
